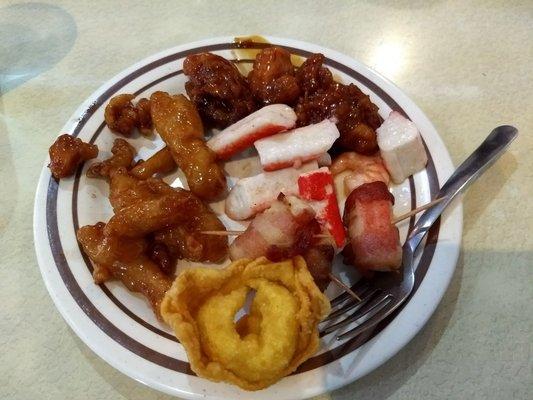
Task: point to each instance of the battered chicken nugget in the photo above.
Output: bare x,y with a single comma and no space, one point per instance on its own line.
123,155
148,216
160,163
183,239
124,259
278,334
67,153
122,116
272,79
180,126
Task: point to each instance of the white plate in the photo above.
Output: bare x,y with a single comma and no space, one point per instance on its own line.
120,327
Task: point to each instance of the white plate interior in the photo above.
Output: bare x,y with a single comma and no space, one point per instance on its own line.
131,315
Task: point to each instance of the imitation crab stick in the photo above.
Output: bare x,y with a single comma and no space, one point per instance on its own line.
294,147
256,193
317,188
242,134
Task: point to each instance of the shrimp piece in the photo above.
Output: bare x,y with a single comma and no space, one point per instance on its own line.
362,169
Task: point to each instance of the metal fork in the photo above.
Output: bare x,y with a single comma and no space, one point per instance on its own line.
387,291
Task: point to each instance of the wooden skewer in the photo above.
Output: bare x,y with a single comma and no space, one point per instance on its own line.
340,283
322,235
416,210
237,233
222,233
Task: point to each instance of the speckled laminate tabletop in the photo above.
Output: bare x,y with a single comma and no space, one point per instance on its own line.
468,65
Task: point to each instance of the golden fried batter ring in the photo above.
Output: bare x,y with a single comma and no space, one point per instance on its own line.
270,342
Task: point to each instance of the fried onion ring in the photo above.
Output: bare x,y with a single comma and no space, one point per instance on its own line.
277,335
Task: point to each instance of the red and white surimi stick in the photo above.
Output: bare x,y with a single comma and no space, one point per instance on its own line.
242,134
256,193
374,240
317,188
294,147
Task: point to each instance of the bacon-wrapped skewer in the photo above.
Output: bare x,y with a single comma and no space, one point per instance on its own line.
242,134
374,240
295,147
287,229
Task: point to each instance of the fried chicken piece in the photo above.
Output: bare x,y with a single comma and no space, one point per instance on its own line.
147,216
180,126
123,155
67,152
124,189
312,76
122,116
357,117
105,250
272,79
217,88
144,117
161,162
187,241
125,260
181,236
160,254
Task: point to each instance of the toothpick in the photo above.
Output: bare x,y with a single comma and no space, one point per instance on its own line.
341,284
222,233
324,235
416,210
237,233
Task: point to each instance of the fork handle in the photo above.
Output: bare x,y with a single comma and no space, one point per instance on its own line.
471,169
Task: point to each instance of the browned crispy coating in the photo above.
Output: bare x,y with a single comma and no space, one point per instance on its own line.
183,240
312,76
272,79
147,216
357,117
104,249
186,241
160,254
144,117
161,162
219,91
125,260
123,155
180,126
126,190
66,153
122,116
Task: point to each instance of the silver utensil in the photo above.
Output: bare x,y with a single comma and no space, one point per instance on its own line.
386,292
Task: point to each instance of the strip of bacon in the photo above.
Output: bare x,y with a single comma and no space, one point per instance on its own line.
317,188
297,146
274,228
374,240
264,122
285,230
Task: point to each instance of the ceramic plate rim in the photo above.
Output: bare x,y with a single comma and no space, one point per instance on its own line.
430,292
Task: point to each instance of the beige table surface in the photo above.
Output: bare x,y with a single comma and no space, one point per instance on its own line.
468,65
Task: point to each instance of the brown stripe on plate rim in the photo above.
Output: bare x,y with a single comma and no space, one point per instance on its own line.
91,311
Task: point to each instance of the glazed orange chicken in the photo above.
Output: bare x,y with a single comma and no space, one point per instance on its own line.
180,126
67,153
